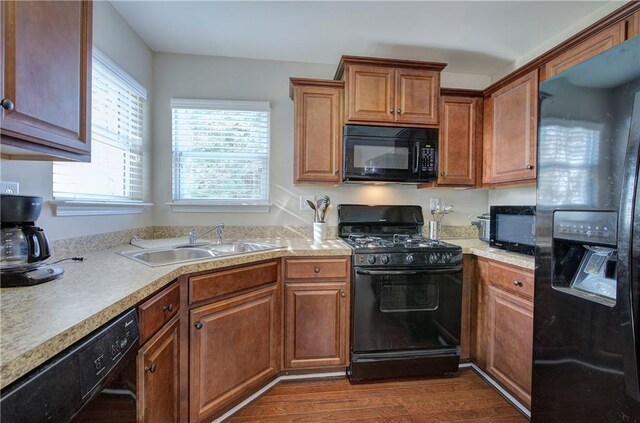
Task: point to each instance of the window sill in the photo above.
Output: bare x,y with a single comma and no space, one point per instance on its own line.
96,208
208,207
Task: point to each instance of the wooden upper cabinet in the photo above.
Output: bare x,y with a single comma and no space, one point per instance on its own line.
318,114
633,25
371,94
390,92
510,119
586,49
46,76
460,144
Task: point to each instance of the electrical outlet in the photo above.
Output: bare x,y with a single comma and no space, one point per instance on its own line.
9,187
433,203
303,202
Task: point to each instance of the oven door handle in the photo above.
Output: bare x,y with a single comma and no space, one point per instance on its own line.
455,269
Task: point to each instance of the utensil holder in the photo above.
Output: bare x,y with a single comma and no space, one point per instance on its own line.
319,231
434,229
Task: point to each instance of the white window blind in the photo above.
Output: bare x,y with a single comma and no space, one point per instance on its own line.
220,151
118,105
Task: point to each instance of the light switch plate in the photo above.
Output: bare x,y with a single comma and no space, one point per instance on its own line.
9,187
303,202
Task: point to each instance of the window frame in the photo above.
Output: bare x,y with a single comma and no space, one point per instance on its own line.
218,205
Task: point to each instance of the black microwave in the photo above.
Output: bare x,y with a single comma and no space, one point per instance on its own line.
389,154
513,228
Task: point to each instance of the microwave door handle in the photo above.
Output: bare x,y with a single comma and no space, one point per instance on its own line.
416,152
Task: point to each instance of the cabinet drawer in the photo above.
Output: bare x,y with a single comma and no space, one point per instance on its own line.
216,284
317,268
158,310
513,279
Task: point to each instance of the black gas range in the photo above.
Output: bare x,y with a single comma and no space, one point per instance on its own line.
406,295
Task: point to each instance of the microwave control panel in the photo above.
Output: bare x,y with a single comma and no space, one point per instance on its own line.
428,158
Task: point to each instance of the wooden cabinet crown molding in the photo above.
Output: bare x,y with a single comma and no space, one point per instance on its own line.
384,62
309,82
625,12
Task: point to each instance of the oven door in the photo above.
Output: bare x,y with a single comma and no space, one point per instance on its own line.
386,159
401,309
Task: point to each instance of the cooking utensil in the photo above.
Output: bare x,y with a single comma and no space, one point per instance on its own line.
315,211
326,201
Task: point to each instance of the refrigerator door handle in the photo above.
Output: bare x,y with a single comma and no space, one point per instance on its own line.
628,276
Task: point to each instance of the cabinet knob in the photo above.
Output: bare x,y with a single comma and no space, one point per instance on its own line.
392,111
7,104
343,294
517,282
198,325
443,174
316,269
399,111
168,308
529,167
151,368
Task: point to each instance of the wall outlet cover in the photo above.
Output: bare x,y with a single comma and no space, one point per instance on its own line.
9,187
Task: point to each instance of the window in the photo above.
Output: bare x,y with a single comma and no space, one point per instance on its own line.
220,152
115,173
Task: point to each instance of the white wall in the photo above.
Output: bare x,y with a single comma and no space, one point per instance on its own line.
512,197
190,76
113,36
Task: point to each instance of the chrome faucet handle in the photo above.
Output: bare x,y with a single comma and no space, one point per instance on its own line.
193,235
219,230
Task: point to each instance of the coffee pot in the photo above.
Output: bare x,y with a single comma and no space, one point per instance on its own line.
22,245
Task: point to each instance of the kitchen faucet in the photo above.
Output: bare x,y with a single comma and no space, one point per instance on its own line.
193,234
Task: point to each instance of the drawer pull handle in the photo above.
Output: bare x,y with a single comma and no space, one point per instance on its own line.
529,167
392,111
399,111
198,325
168,308
316,269
7,104
343,294
517,282
151,368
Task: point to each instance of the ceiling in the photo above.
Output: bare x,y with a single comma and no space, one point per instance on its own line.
477,37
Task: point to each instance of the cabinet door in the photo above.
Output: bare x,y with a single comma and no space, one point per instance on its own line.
158,382
458,139
233,350
633,25
590,47
46,74
510,348
318,134
370,94
316,324
511,147
417,96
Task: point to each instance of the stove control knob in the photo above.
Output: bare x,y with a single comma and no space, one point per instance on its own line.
409,258
384,259
371,259
446,257
433,258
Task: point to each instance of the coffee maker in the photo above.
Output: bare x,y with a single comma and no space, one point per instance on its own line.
24,246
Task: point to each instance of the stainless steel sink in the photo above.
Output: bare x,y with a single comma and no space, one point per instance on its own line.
185,253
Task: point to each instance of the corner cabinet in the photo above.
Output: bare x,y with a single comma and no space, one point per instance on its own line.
460,146
510,131
317,149
46,80
390,92
316,313
233,336
504,328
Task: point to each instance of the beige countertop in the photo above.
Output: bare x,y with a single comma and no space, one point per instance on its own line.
40,321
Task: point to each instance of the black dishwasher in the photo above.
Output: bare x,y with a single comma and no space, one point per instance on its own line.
93,380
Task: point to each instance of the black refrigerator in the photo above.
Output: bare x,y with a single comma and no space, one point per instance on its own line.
587,291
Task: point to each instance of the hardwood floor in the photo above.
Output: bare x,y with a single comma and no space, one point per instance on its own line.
463,398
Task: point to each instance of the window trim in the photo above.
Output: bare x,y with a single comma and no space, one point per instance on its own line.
102,205
222,206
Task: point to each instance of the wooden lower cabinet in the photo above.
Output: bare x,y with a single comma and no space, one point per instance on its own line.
233,350
316,322
158,383
503,344
510,346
